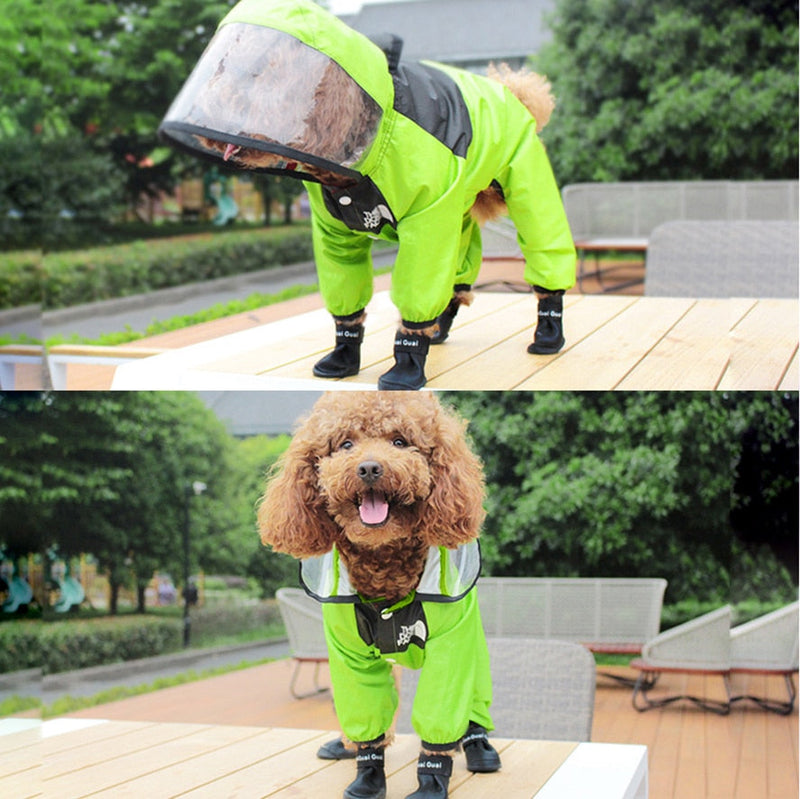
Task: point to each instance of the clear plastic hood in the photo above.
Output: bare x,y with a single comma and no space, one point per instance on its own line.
261,99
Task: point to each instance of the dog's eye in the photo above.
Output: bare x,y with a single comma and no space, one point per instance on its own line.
399,441
346,444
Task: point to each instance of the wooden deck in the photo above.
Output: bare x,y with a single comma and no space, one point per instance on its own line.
613,343
751,754
497,276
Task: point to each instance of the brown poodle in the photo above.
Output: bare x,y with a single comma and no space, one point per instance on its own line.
381,496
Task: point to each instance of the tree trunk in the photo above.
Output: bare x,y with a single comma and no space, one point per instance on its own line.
113,597
141,599
266,199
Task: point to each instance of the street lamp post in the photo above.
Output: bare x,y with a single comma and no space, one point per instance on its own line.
189,590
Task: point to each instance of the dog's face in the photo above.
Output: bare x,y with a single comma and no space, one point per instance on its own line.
378,474
374,468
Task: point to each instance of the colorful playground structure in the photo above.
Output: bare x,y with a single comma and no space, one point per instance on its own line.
24,583
64,584
216,193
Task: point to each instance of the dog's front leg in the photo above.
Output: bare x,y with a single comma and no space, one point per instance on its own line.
434,768
410,352
370,781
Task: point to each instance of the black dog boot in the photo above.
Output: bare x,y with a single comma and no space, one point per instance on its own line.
335,750
482,757
370,781
408,372
462,296
345,359
433,776
445,321
549,335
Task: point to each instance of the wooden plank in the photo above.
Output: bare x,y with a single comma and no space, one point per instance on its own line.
277,770
400,755
490,353
109,764
215,758
720,757
68,742
94,351
764,344
791,378
379,331
464,343
752,751
603,360
507,364
782,770
269,355
527,766
694,354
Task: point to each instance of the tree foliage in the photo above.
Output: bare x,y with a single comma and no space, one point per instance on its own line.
699,487
666,91
109,475
636,484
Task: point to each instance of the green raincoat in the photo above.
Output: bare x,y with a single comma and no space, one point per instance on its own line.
432,138
437,629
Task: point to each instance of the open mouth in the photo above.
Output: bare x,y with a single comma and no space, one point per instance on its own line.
230,150
374,509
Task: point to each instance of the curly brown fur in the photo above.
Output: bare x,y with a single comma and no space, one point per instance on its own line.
420,464
534,92
425,331
354,322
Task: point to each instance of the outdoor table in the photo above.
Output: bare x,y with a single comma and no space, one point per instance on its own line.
613,342
78,757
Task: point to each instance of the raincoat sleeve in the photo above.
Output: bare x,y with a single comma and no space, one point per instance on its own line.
360,677
343,258
444,703
430,239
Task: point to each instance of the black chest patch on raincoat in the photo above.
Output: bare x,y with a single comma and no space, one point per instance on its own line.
360,207
432,99
392,632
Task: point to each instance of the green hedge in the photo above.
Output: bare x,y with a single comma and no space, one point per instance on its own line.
20,646
20,279
64,646
63,279
214,621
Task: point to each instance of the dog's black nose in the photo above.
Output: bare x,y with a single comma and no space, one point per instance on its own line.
369,471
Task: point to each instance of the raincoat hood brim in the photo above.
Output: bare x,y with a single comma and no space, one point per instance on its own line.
287,79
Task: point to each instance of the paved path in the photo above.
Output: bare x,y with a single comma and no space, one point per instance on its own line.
88,682
137,312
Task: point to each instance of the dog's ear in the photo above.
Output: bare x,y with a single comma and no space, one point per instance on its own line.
453,513
291,515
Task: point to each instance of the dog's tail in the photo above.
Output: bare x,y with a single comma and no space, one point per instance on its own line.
534,92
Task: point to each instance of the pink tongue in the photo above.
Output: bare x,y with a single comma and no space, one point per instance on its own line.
374,508
230,149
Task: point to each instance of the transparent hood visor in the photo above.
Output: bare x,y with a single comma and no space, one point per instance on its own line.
261,99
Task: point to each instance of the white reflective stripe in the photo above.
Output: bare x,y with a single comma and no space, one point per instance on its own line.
429,583
461,569
319,576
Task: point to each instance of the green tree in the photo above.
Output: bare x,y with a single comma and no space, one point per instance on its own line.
665,90
626,483
107,474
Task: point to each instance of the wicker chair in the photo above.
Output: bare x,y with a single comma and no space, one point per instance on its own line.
700,646
742,258
768,646
543,689
302,617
